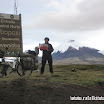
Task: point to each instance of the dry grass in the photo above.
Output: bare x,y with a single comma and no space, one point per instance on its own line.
83,75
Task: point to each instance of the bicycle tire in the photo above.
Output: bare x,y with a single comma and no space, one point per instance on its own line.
19,69
4,70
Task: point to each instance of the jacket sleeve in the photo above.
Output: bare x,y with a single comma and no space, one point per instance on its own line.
50,48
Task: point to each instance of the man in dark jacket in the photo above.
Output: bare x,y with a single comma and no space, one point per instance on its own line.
47,56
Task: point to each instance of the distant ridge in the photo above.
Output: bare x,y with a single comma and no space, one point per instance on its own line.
83,55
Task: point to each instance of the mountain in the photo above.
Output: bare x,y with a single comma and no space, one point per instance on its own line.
83,55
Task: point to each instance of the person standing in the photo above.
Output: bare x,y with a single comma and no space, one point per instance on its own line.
47,56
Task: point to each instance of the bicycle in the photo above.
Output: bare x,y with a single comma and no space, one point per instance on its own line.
24,64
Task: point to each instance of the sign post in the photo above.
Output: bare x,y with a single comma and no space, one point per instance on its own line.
11,34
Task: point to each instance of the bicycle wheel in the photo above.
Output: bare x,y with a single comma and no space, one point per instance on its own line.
1,70
4,70
19,69
27,67
28,71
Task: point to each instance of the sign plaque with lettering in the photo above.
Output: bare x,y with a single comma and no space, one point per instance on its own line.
10,34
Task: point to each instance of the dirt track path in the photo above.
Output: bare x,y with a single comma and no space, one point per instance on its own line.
44,92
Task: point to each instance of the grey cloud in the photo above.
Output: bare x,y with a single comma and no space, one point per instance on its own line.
89,16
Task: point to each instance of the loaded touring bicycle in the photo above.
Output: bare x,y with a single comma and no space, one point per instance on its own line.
25,63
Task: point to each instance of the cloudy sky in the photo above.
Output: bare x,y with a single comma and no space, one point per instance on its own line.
61,21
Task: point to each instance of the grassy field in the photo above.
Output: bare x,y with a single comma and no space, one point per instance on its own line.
83,75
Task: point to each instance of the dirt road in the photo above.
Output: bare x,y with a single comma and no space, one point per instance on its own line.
24,91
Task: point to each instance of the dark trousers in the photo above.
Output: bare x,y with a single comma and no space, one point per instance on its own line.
44,60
